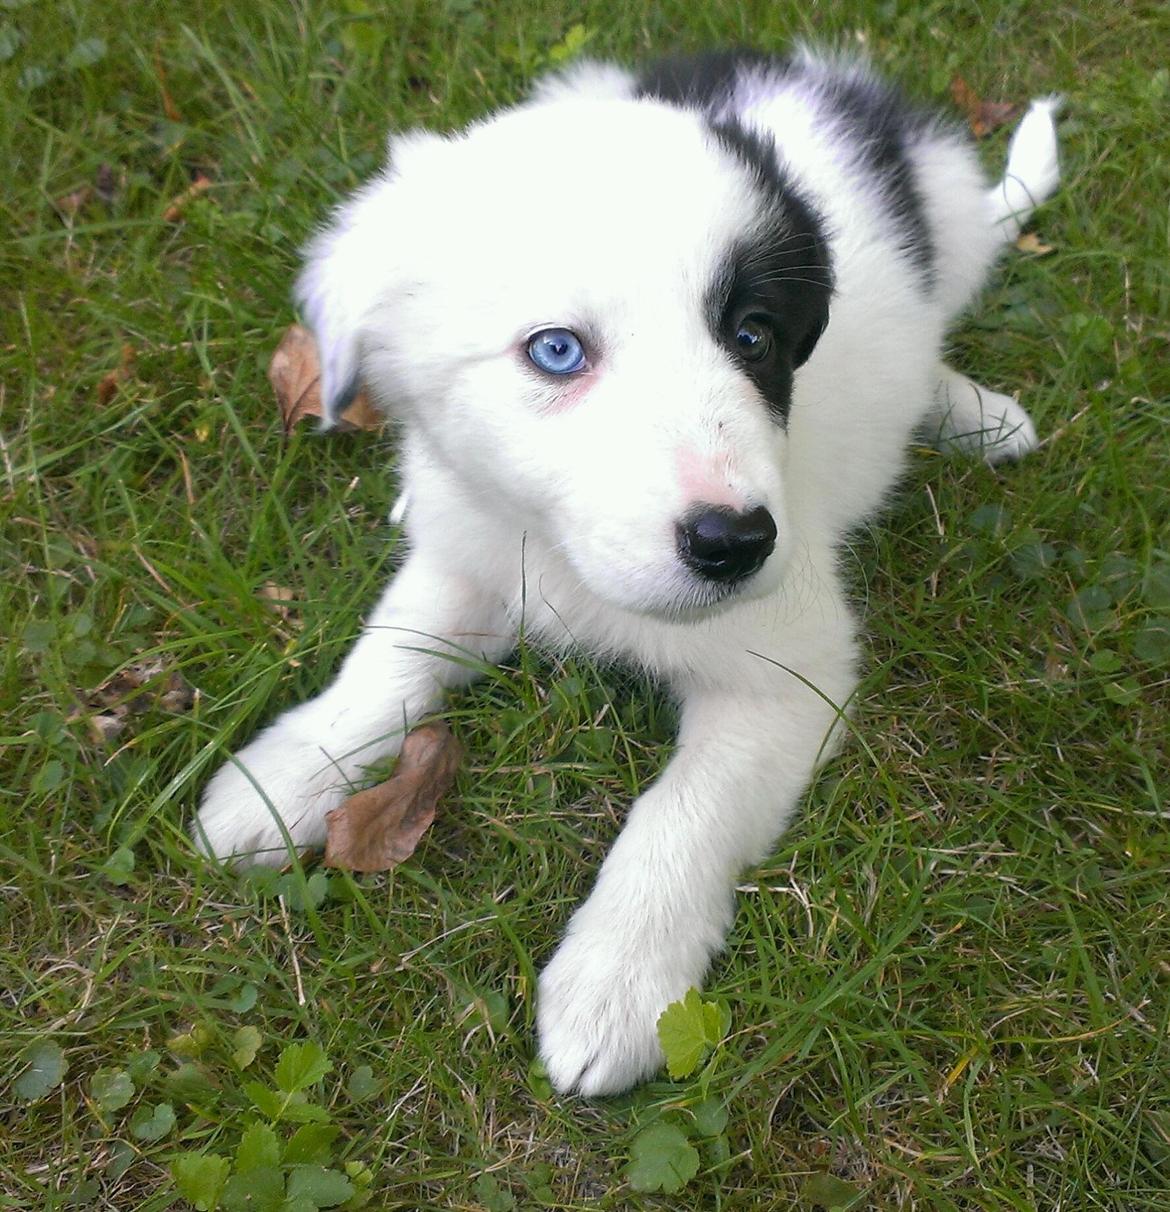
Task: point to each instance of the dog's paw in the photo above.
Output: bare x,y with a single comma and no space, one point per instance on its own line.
980,422
597,1015
274,792
1008,432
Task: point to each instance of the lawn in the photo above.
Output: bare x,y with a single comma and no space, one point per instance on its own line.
948,988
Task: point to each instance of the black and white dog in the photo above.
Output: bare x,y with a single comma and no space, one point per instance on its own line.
657,342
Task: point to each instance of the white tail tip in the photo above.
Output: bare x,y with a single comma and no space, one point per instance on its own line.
1033,168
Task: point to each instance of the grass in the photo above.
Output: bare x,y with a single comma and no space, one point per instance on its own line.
948,986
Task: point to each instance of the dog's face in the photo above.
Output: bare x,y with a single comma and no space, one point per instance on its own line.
591,313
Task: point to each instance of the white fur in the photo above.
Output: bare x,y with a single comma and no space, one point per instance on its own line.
1033,168
552,504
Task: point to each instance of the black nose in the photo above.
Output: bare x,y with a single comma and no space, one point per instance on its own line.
723,544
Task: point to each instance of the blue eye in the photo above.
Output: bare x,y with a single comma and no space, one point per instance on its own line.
556,351
753,340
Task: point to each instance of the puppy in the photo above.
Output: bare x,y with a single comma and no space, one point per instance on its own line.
658,341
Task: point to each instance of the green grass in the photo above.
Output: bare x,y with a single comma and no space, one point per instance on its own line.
948,986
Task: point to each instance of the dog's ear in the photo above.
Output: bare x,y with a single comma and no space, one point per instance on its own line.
353,263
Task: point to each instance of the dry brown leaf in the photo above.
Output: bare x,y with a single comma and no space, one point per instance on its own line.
379,828
72,204
982,116
1030,242
295,375
131,692
174,212
277,597
179,694
107,389
107,726
360,413
104,188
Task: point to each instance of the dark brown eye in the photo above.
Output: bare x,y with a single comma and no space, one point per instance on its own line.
753,339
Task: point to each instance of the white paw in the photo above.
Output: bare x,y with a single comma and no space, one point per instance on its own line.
1008,430
283,778
991,425
597,1013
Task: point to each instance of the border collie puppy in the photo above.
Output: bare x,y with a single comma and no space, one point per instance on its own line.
657,342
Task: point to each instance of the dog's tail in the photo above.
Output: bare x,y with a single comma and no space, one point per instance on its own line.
1033,168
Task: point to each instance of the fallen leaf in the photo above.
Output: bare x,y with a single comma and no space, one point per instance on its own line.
982,116
72,204
179,694
380,827
107,726
174,212
131,692
276,593
276,596
104,187
120,688
295,375
1030,242
107,389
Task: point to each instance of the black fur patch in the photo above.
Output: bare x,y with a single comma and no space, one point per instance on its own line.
879,122
870,115
778,275
705,81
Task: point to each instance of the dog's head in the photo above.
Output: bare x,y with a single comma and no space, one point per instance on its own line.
591,313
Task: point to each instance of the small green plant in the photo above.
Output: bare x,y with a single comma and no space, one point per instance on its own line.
830,1192
282,1161
263,1145
689,1030
531,58
1115,609
44,1068
665,1154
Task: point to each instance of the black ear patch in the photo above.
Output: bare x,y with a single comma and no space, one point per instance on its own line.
868,116
705,81
881,124
769,301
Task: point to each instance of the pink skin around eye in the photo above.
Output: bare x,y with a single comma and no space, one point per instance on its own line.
565,394
559,394
705,479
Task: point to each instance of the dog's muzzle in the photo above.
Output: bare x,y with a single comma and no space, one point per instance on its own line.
723,544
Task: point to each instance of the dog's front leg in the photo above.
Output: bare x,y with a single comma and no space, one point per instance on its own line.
425,635
665,896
